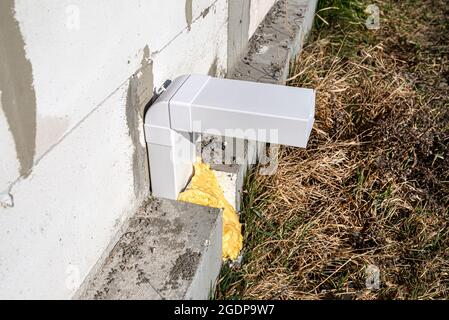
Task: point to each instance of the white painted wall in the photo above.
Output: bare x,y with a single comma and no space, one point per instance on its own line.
258,11
80,190
83,54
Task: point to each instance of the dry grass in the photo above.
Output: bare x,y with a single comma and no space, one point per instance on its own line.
372,188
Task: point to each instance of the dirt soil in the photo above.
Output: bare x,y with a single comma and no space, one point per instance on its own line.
363,212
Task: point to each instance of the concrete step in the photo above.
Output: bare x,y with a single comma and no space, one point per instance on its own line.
169,250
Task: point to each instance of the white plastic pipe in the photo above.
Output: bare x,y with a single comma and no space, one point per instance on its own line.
239,109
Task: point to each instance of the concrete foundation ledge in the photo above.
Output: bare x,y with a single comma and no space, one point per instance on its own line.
170,250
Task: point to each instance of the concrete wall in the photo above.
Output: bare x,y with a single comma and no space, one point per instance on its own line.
75,76
244,18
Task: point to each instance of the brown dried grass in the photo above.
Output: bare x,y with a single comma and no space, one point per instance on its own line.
372,186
